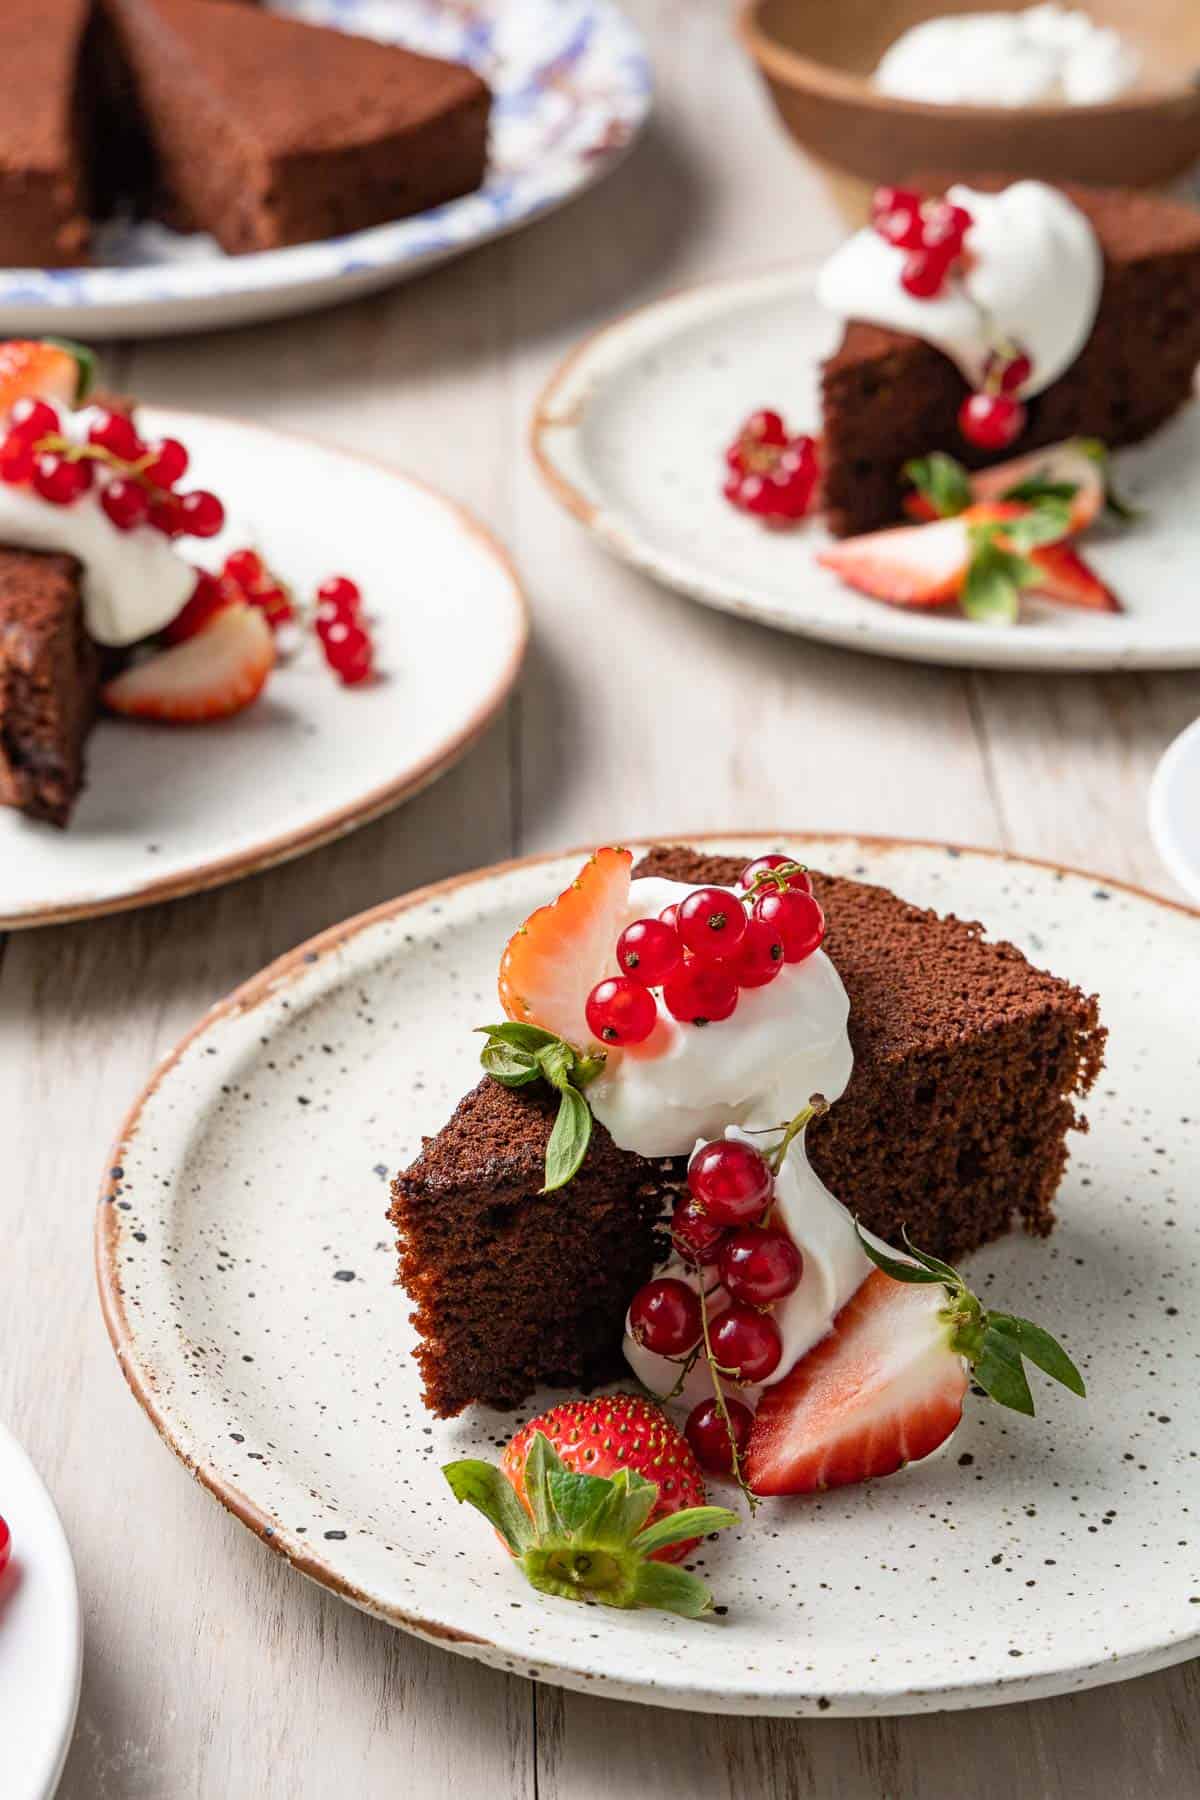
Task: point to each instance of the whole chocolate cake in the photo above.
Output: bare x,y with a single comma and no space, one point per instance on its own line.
968,1066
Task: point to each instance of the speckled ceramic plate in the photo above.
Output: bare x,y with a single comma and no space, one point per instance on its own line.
168,809
630,434
571,87
246,1275
41,1634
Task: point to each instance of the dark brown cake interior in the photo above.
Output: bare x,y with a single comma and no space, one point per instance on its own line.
888,397
968,1065
49,683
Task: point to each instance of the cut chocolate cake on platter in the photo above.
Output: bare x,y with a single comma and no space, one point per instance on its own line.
968,1064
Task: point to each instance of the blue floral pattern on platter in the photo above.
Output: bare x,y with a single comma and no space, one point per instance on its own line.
572,85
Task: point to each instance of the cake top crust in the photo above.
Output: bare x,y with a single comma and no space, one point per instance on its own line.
42,42
953,980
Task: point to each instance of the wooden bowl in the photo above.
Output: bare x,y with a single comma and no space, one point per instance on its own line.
816,57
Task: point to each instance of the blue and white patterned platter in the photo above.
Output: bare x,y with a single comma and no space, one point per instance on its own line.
572,87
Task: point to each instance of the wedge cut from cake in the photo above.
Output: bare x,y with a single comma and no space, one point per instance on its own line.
969,1064
49,683
268,131
889,396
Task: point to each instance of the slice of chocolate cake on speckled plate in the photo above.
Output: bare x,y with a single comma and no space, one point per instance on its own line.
969,1064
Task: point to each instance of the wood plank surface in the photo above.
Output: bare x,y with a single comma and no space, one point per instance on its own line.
211,1670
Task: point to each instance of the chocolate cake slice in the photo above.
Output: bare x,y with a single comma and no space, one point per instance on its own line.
49,683
45,128
268,131
887,397
968,1066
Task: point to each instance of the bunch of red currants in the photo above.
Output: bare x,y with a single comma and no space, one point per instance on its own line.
722,1225
702,952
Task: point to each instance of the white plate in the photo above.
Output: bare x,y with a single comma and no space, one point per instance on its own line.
630,434
169,809
572,87
41,1634
1175,809
246,1271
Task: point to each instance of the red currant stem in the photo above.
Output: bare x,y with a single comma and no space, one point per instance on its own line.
70,450
685,1368
715,1370
777,878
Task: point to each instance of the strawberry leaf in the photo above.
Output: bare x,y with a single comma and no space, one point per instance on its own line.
569,1140
1034,1342
530,1038
671,1589
85,360
930,1262
1001,1374
995,576
1037,488
893,1266
944,482
694,1521
483,1486
511,1067
577,1499
1044,523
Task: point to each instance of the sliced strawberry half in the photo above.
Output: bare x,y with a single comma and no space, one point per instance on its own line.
1041,473
886,1386
216,673
33,368
553,962
1064,576
914,565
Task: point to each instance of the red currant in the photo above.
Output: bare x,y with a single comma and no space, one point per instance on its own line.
893,199
649,950
700,993
763,865
903,227
797,918
200,514
276,604
991,421
164,516
711,922
760,956
730,1181
245,567
1015,372
340,592
60,481
16,459
670,916
125,502
34,419
944,226
762,430
168,463
621,1011
708,1434
348,652
924,273
5,1545
747,1343
777,485
664,1317
696,1237
114,432
759,1266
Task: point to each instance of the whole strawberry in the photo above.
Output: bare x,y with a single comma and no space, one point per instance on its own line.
594,1500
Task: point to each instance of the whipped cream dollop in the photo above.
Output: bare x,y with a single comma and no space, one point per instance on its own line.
758,1068
1038,57
834,1266
134,582
1032,279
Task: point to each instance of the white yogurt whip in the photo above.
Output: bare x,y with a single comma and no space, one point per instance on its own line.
1043,55
134,583
759,1068
834,1266
1032,278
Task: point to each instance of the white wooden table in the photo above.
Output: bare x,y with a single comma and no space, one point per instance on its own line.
212,1670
